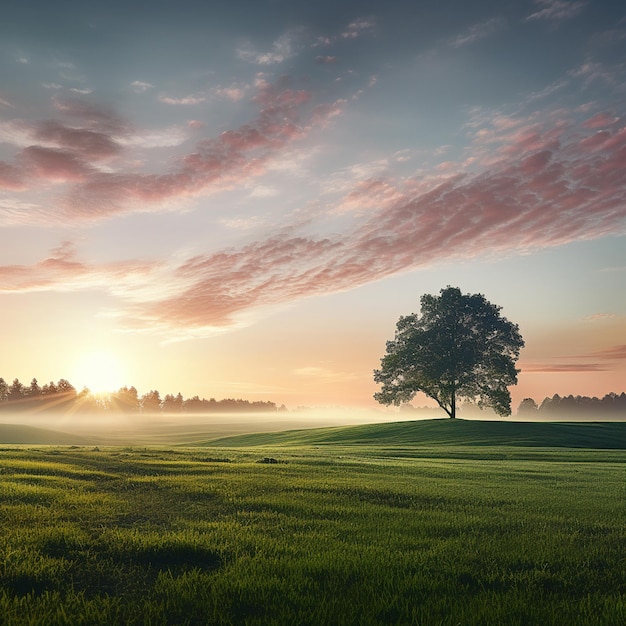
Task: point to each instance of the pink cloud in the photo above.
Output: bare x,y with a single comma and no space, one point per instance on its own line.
94,116
228,283
62,271
601,120
369,194
529,201
55,165
68,152
599,361
613,353
562,368
10,177
547,186
216,163
91,144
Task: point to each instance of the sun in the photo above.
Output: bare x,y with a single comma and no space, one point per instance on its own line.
100,371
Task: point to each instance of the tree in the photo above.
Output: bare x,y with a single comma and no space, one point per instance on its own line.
172,404
49,390
527,407
151,402
459,346
125,400
4,390
34,391
16,391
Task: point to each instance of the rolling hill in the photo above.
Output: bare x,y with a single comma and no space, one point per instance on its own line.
21,434
445,432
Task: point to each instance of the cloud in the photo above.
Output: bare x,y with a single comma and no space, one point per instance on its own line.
528,200
283,48
591,72
557,9
139,86
72,151
562,368
326,60
90,144
599,361
92,115
11,178
599,316
601,120
531,185
359,27
234,92
54,152
62,271
478,31
263,191
216,163
614,353
54,165
5,102
185,100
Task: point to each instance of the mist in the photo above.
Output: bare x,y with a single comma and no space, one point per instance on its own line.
175,429
82,428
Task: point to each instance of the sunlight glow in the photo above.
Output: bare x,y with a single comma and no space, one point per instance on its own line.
100,371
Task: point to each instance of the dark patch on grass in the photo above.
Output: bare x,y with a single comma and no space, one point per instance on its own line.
174,556
98,568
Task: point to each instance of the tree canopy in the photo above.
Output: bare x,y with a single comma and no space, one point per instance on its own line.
459,346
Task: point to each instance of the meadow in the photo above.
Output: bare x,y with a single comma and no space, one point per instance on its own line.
428,523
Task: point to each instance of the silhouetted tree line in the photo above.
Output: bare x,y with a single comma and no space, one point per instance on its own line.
62,396
51,396
612,404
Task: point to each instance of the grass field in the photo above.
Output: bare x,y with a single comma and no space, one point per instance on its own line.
414,523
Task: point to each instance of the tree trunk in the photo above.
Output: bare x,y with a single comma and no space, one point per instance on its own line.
453,405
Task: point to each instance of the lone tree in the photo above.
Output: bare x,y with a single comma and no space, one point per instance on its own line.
459,346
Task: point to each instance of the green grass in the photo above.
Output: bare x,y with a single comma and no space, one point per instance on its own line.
23,434
346,528
603,435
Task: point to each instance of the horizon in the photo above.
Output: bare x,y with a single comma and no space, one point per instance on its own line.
241,202
63,402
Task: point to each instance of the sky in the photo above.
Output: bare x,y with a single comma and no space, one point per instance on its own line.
241,199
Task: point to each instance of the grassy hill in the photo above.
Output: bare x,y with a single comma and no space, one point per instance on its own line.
20,434
445,432
433,434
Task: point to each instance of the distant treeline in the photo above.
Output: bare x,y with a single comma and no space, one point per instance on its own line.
610,404
62,396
